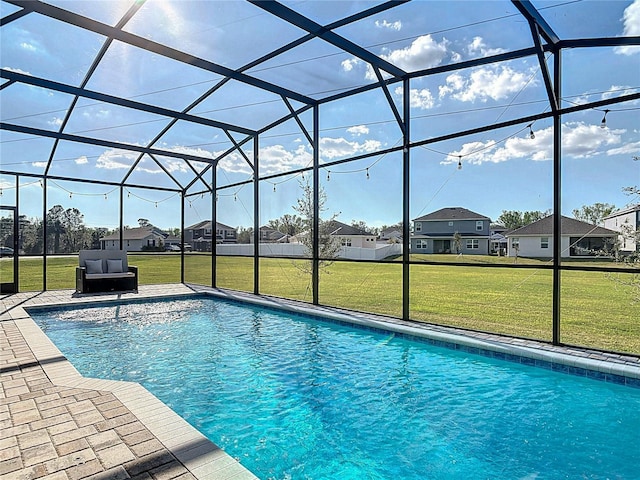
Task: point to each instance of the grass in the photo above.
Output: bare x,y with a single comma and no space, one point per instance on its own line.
595,310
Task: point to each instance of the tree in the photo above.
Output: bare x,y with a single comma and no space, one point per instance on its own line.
245,234
513,219
457,242
361,225
328,246
55,228
143,222
594,214
287,224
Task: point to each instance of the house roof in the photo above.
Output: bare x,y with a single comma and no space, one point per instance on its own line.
569,226
207,224
451,213
339,228
138,233
624,211
271,233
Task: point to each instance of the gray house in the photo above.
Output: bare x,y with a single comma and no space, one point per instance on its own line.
627,222
451,230
200,235
134,239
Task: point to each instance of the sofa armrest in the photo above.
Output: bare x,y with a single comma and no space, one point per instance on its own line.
81,274
134,269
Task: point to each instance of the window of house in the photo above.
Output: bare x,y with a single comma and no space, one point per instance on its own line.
479,225
345,242
544,242
418,227
451,224
473,243
515,242
207,231
421,244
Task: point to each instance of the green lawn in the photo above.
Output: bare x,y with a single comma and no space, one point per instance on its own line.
596,310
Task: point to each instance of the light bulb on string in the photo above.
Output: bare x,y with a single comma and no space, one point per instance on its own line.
274,187
531,134
603,123
328,175
368,176
235,197
70,195
106,197
459,162
156,204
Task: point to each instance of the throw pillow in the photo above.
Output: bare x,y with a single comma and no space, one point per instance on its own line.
93,266
114,266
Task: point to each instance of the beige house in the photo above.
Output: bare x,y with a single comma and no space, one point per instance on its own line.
134,239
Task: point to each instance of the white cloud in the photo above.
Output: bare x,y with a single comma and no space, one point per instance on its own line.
340,147
478,48
397,25
496,83
55,122
422,99
39,164
28,46
83,160
631,22
579,140
628,149
424,52
348,65
115,159
358,130
17,70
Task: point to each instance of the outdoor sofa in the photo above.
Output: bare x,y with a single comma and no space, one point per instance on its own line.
105,271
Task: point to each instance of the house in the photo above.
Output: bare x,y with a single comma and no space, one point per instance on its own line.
627,222
451,230
498,240
135,239
271,235
350,236
391,235
578,239
347,235
200,235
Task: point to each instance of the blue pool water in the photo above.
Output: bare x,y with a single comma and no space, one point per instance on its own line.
294,397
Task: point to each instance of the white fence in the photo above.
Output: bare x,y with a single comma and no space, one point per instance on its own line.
381,251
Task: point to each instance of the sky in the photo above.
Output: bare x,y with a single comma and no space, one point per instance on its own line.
505,169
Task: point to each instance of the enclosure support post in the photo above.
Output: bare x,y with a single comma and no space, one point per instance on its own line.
557,205
406,241
214,228
182,236
315,270
256,218
44,234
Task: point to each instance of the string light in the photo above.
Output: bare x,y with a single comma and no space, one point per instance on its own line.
531,134
459,162
235,197
156,204
603,123
105,197
70,195
368,176
328,175
274,187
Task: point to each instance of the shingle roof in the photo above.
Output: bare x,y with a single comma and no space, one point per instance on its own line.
624,211
569,226
138,233
344,229
452,213
207,224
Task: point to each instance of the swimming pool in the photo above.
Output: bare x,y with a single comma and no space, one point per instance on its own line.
297,397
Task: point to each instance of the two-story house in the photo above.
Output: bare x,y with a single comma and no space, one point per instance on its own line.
200,235
627,222
451,230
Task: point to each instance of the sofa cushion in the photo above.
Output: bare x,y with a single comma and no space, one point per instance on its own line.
93,266
114,266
